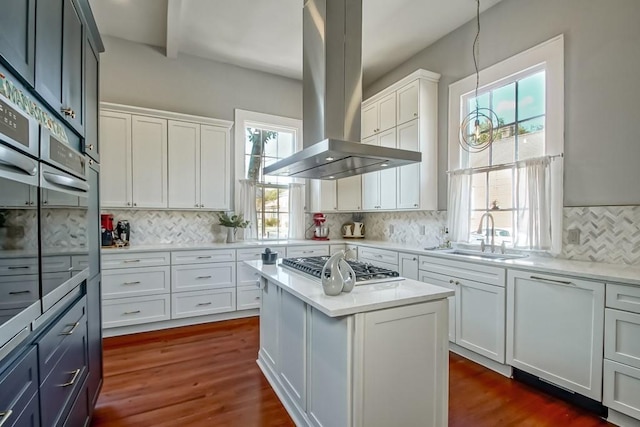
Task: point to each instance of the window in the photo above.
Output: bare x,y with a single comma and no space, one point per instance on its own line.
262,140
525,92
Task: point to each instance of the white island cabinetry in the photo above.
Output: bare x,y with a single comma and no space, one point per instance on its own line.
374,357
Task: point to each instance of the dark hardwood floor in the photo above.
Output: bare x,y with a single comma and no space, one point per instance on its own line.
207,375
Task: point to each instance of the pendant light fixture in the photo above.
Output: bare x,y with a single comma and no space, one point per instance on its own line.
479,128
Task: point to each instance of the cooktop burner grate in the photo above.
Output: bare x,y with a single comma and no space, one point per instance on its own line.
365,272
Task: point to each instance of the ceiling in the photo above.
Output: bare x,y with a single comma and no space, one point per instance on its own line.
267,34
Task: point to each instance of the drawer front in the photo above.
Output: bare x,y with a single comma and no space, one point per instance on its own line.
378,255
198,303
622,337
55,341
246,276
203,257
248,297
623,297
18,266
132,282
135,310
203,276
336,248
621,388
79,413
55,264
18,291
30,416
79,262
310,250
477,272
60,388
126,260
18,384
250,254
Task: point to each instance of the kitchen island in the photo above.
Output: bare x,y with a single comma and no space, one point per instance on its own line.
377,356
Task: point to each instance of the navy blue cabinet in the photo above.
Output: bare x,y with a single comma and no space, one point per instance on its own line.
17,36
91,82
59,59
18,391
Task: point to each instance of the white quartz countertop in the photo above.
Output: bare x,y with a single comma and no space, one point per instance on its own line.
362,298
621,273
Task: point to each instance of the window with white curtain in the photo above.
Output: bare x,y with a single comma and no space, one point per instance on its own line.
518,178
262,140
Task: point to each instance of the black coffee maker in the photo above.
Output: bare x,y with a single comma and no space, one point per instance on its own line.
123,233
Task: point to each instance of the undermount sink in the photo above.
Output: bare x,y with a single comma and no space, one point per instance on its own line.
485,255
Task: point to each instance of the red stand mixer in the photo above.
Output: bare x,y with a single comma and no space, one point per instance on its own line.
321,231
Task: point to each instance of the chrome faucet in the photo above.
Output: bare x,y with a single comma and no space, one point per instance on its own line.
492,230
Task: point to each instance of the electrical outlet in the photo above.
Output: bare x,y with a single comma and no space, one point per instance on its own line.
391,229
573,237
423,230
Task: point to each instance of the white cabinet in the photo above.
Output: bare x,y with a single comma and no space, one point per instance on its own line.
308,250
149,161
408,266
159,159
380,257
349,193
115,154
445,282
292,366
416,130
555,328
379,115
379,188
409,175
199,162
408,102
269,321
134,160
621,376
479,304
322,196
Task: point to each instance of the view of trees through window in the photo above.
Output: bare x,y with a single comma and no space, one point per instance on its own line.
520,106
264,147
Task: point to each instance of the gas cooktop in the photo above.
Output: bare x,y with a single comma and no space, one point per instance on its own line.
365,273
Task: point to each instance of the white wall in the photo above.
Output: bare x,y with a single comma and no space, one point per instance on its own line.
602,94
141,75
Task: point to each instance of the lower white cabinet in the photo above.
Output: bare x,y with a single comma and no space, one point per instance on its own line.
477,312
135,282
198,303
408,266
269,320
621,377
309,250
555,328
292,328
203,276
135,310
247,297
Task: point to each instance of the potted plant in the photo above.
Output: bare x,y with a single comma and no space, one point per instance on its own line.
232,223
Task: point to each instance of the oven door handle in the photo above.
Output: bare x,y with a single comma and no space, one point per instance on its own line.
66,181
18,161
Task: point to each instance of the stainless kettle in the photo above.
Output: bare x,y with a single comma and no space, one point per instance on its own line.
341,277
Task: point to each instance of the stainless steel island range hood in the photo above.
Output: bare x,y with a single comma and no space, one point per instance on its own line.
332,98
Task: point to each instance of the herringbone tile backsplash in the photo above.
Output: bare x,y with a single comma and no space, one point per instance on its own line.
608,234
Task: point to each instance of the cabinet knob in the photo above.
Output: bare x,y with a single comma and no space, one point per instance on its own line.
451,281
415,114
196,205
90,161
128,203
415,205
135,204
26,203
45,202
202,206
90,146
31,203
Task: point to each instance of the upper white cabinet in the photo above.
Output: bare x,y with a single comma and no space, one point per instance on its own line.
349,193
378,115
414,127
134,162
322,196
157,159
199,162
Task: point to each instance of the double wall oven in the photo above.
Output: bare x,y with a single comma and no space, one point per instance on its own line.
43,222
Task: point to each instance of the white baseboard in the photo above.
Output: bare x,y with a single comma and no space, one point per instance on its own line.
175,323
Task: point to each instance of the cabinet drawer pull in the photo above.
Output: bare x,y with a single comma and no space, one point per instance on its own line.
205,257
68,112
378,256
73,328
73,379
137,282
90,147
451,281
19,292
200,304
4,416
19,267
558,282
203,277
127,261
132,312
257,298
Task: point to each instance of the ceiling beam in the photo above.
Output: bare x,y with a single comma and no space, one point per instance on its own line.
174,9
